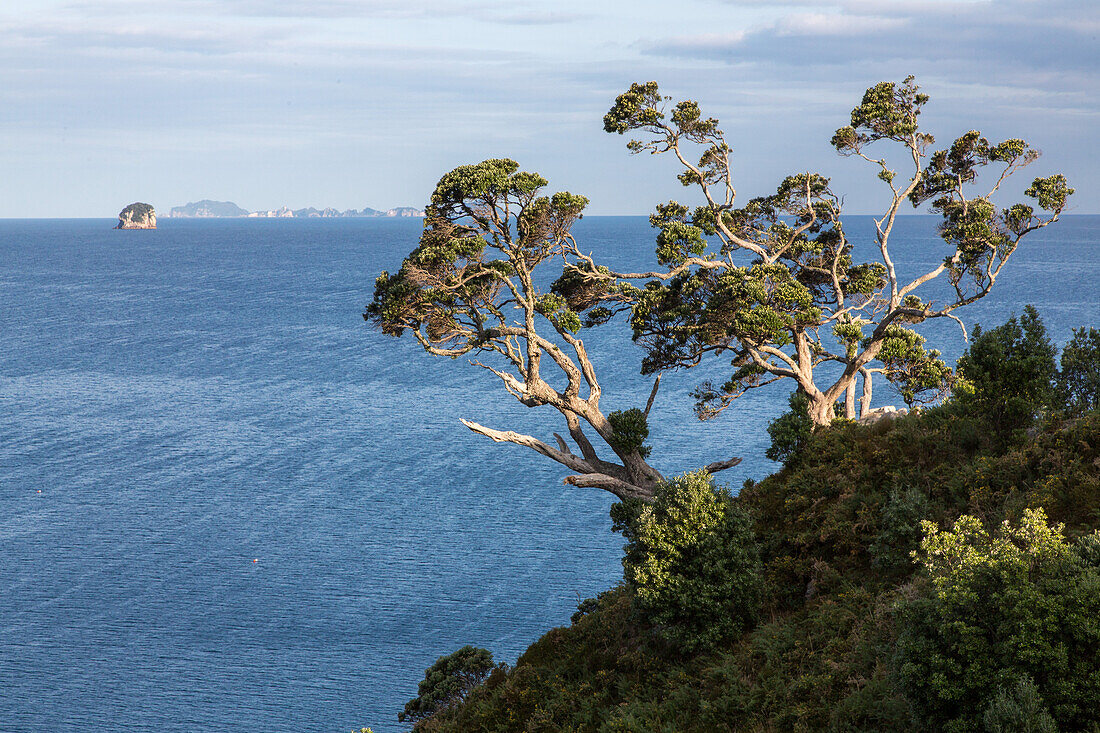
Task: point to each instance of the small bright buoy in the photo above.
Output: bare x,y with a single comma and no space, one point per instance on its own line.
256,559
40,491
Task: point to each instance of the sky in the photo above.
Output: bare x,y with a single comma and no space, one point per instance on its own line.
353,103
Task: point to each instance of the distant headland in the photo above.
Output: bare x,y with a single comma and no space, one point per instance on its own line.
137,216
207,209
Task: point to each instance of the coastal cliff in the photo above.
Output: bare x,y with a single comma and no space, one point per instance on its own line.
137,216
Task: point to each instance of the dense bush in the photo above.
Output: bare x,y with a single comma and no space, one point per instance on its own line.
1008,374
692,562
1079,379
1016,604
994,629
631,430
447,682
790,431
1018,709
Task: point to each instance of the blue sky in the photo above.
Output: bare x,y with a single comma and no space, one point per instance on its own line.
353,103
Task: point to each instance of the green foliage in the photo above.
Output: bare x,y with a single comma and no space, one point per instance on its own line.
692,563
555,308
678,239
1018,709
485,224
888,111
635,108
1051,192
1079,378
1002,606
918,375
790,431
1009,373
136,211
899,529
447,682
700,311
631,431
834,530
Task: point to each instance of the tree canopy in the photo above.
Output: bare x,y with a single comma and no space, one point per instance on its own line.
470,288
773,284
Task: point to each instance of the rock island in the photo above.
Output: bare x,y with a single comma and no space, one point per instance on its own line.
137,216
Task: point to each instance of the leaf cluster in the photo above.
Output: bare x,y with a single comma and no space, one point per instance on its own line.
448,681
920,376
486,229
1020,603
631,428
1007,374
888,111
692,564
1079,378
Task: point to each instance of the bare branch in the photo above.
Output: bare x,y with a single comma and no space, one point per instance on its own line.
721,465
618,487
652,395
508,436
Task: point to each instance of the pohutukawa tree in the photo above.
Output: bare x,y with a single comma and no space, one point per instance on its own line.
774,282
470,288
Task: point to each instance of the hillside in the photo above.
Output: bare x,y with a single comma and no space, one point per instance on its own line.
940,571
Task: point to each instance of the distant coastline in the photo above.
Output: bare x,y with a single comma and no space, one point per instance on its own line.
207,209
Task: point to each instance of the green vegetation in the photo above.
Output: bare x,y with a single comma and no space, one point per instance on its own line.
901,574
936,572
447,682
137,211
692,563
1079,380
772,282
1008,374
1018,606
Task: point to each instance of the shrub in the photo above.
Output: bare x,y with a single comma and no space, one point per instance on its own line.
447,682
900,522
1008,374
1079,380
790,431
1018,709
631,430
1018,603
692,562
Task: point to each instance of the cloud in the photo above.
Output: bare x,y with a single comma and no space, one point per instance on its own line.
487,11
1010,34
296,86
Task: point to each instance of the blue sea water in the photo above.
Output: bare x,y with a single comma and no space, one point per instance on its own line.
226,503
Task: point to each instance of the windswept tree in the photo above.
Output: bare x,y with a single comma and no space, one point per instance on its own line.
774,282
470,288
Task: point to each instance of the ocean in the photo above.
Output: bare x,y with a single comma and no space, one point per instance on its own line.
226,503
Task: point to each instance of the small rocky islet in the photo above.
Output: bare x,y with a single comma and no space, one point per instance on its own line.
137,216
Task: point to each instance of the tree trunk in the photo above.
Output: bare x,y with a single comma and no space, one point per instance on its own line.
820,410
865,400
850,401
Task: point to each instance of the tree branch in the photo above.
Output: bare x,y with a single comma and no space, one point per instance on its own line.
721,465
652,395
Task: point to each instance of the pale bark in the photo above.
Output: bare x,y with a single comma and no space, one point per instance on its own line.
625,482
